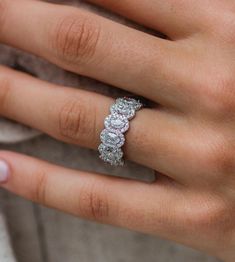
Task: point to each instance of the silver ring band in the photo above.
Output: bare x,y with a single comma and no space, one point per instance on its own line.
116,124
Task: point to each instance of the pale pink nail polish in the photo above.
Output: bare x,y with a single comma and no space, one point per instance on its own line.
4,171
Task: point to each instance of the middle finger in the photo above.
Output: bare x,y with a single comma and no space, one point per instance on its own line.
96,47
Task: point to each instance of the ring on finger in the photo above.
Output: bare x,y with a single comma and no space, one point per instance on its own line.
116,124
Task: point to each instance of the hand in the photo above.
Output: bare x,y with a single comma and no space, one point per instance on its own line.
189,138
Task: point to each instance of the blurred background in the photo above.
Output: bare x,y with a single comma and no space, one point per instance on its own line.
38,234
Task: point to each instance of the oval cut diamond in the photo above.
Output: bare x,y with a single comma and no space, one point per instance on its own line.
136,104
123,109
111,155
112,139
117,122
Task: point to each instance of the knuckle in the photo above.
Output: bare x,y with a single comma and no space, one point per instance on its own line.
222,26
75,39
38,193
219,97
77,121
218,158
94,203
211,215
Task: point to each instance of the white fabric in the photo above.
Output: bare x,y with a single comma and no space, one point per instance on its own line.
6,253
12,133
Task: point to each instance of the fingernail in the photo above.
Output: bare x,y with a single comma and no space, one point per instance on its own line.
4,171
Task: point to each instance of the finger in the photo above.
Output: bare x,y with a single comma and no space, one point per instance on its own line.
155,138
98,48
173,18
144,207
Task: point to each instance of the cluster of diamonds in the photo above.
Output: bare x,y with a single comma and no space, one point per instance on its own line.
116,124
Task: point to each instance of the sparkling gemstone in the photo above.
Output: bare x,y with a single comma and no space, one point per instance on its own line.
123,109
117,122
134,103
111,155
126,106
112,138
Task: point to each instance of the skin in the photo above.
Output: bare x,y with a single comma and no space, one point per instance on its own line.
188,139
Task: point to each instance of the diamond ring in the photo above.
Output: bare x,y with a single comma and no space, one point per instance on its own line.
116,124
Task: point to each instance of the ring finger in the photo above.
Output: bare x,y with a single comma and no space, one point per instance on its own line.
77,116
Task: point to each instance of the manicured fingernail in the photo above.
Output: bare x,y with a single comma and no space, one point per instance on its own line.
4,171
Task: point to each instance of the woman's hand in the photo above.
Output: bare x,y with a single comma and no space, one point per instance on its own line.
189,138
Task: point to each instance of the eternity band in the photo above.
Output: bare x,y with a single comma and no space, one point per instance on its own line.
116,124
